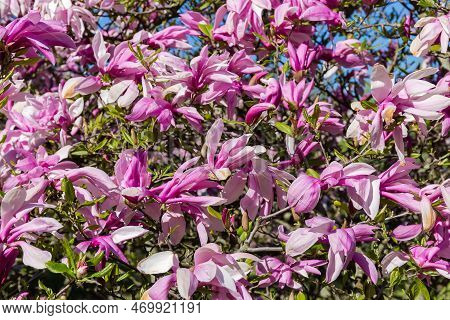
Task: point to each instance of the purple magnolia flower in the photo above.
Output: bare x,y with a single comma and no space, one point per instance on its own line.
342,244
411,96
363,188
36,165
35,35
156,106
181,195
132,175
348,54
118,62
110,243
282,273
397,185
16,228
221,273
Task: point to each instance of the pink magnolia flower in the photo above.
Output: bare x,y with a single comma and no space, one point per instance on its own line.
192,20
396,184
309,10
295,94
348,53
118,62
362,186
282,273
156,106
110,243
81,85
170,37
342,244
43,113
131,174
221,273
34,166
35,35
302,57
180,194
16,228
432,29
411,96
329,120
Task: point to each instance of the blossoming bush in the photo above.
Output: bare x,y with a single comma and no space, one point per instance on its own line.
247,149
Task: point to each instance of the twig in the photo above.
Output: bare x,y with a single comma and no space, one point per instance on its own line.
398,216
63,290
245,247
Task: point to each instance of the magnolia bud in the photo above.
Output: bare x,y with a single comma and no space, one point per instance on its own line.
82,269
428,214
245,221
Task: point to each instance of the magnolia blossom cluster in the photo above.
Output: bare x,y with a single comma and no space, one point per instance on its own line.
228,211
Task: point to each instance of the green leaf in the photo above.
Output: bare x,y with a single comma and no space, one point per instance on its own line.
57,267
26,62
3,102
104,272
426,3
206,29
312,173
285,128
97,258
419,291
301,296
68,252
214,213
369,105
124,276
68,189
47,290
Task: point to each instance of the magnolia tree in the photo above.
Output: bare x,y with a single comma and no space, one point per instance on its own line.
247,149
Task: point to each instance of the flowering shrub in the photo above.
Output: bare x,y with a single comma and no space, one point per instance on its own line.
247,149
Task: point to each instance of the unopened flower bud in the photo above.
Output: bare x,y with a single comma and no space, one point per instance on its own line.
428,214
245,221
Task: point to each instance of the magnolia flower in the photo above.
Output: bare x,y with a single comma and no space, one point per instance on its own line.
16,228
110,243
132,175
411,96
342,244
35,35
363,188
282,272
219,272
348,54
432,29
81,85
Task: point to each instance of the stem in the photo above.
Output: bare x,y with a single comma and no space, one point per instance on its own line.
63,290
245,245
